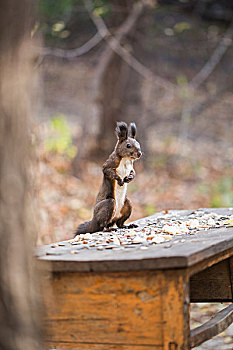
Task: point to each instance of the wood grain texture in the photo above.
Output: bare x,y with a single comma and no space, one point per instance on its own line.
128,310
215,259
175,306
230,260
91,346
212,285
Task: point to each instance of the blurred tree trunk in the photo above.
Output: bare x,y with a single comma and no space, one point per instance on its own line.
113,84
112,88
18,323
112,91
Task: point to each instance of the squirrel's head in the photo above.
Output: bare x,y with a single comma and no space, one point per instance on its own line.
127,146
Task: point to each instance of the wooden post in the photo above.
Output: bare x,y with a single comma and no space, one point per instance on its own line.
230,260
175,306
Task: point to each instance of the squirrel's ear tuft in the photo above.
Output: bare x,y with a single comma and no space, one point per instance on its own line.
132,130
122,131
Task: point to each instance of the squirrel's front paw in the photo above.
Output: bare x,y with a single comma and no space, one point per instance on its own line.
128,178
120,182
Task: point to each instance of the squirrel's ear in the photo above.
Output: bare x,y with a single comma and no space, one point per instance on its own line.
132,130
122,131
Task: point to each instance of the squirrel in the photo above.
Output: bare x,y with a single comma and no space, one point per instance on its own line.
112,205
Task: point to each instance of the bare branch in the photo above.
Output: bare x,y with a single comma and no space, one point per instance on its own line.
199,108
214,60
108,54
70,54
114,43
188,104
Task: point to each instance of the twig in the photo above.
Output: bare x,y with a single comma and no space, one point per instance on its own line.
70,54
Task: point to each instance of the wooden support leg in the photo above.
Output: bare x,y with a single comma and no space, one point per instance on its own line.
214,326
231,275
176,330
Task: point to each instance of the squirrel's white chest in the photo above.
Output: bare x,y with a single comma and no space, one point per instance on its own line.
123,170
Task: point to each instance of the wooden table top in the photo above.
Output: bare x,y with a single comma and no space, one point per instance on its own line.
180,252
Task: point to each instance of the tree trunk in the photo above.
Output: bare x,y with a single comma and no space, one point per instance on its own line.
18,323
113,82
112,101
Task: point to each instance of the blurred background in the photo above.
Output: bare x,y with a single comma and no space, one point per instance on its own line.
166,65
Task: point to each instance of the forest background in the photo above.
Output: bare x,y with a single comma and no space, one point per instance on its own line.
167,66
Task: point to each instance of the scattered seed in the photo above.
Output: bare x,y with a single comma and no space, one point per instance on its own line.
151,231
73,252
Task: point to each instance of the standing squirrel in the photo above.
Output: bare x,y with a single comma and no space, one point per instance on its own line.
112,205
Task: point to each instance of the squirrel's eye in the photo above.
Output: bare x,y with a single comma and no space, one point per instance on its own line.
128,145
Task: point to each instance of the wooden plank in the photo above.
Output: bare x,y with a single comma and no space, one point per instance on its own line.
187,252
216,325
212,285
111,308
184,251
94,346
118,310
204,264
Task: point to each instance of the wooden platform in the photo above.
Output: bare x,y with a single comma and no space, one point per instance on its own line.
138,299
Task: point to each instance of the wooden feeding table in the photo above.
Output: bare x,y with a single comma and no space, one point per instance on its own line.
125,290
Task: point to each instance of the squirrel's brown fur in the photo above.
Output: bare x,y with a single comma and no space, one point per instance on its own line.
112,205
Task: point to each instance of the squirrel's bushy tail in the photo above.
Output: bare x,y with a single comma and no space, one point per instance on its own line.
88,226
